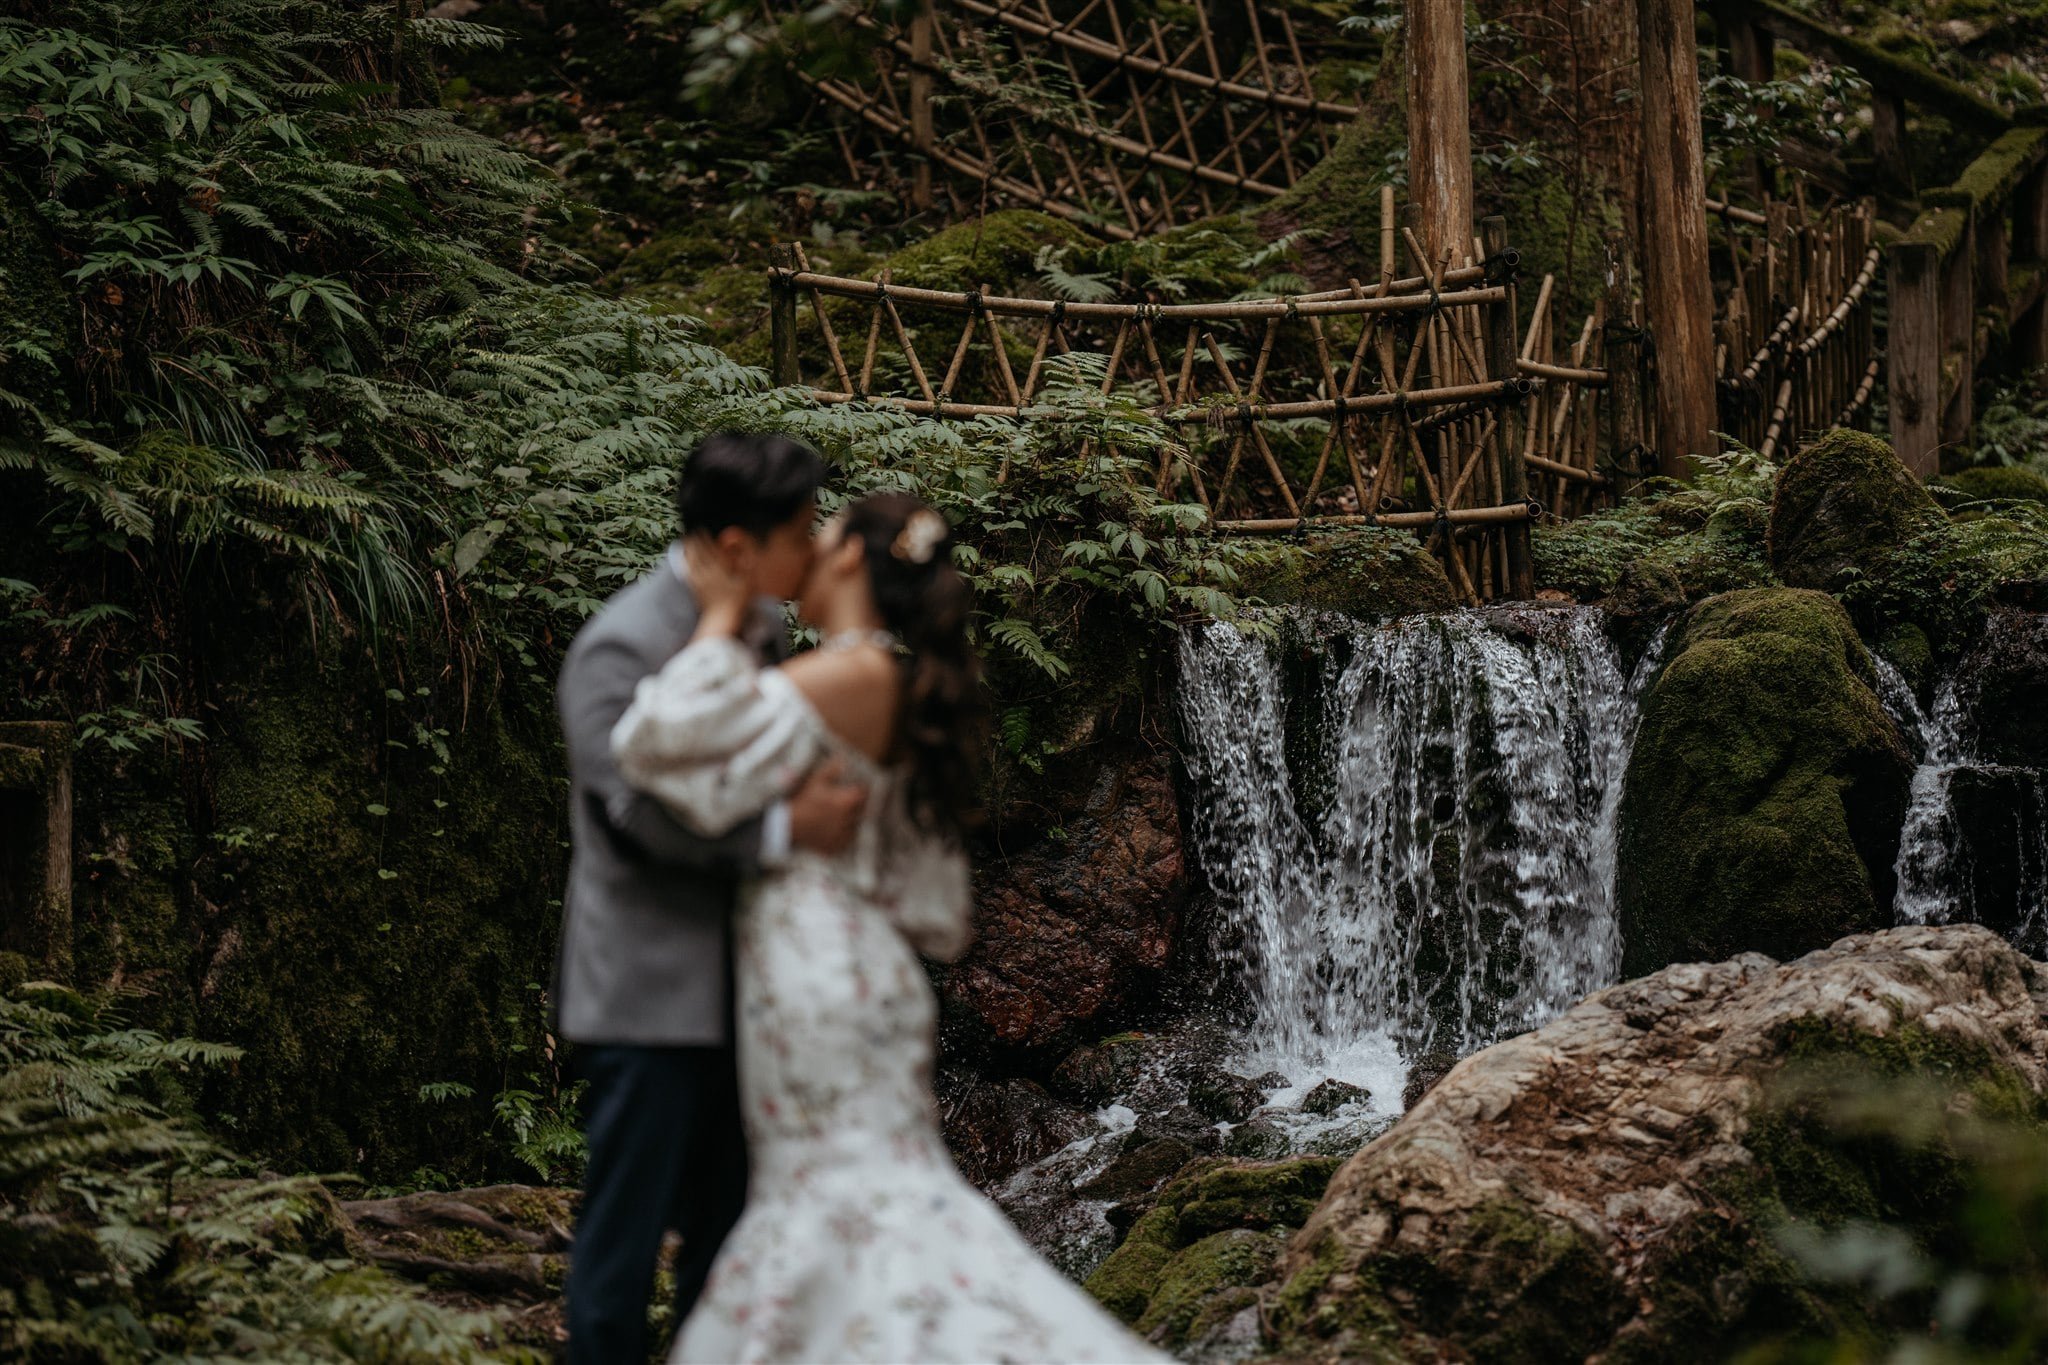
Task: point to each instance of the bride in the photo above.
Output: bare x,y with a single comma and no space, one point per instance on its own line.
860,1241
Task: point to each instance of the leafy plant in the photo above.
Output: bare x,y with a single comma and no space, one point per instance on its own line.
127,1234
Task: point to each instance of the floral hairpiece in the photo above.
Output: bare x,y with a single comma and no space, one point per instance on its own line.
920,537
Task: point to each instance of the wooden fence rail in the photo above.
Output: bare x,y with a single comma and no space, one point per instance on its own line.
1114,115
1411,402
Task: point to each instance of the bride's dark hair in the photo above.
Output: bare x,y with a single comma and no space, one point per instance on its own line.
925,602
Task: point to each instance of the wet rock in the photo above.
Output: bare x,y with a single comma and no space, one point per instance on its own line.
1077,929
1139,1169
1257,1139
2002,851
2009,687
1181,1124
1097,1073
1423,1074
1604,1187
1765,789
1226,1098
995,1128
1844,506
1333,1095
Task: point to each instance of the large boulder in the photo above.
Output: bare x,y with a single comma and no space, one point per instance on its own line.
1765,789
1844,506
1612,1186
2006,687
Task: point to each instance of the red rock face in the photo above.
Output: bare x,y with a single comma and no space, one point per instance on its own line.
1075,930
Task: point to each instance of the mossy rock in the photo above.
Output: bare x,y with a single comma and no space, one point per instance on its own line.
1765,790
1201,1237
997,251
2001,482
1845,506
1371,573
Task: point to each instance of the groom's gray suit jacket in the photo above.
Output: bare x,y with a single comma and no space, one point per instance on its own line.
645,948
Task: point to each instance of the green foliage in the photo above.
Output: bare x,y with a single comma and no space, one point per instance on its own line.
126,1234
1709,533
1752,118
1914,1185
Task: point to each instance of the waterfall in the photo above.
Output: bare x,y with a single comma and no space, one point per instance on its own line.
1974,845
1409,830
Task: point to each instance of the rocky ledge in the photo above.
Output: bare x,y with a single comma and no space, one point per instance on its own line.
1617,1184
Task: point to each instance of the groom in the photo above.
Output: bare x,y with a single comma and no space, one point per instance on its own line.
644,981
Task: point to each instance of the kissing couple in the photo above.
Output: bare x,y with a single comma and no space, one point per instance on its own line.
763,845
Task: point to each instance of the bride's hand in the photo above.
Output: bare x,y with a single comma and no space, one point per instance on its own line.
723,594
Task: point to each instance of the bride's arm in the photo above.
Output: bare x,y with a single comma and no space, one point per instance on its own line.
707,739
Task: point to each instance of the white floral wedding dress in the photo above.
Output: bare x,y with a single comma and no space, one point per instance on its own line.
860,1241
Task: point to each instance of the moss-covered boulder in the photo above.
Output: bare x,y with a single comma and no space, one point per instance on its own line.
1764,792
1189,1264
1995,482
1625,1183
1371,573
997,251
1844,506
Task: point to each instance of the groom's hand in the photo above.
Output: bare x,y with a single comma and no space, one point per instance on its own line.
825,812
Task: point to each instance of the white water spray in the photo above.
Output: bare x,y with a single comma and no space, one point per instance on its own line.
1409,830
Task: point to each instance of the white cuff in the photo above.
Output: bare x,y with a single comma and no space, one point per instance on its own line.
775,836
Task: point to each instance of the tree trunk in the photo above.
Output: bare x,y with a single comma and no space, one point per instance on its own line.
1677,292
1439,126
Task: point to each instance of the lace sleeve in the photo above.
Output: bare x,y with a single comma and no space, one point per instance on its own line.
924,890
714,737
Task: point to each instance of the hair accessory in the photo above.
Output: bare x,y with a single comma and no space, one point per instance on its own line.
920,537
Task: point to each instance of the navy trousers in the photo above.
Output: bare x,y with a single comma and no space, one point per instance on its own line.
666,1151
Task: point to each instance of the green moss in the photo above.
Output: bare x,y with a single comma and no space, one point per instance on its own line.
1211,1200
1844,506
1765,788
1997,481
1125,1282
997,251
1204,1285
1371,572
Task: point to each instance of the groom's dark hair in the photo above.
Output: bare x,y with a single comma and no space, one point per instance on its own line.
754,482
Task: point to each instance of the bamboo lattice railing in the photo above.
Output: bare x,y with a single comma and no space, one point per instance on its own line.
1410,402
1111,116
1796,338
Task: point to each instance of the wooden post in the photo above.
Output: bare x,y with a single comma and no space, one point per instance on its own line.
1439,125
2030,246
782,319
1621,356
921,107
1913,354
1959,331
35,844
1507,438
1893,168
1677,285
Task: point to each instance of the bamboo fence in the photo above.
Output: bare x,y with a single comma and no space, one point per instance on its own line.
1115,115
1796,348
1408,402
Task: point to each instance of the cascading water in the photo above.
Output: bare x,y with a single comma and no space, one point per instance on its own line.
1974,846
1409,831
